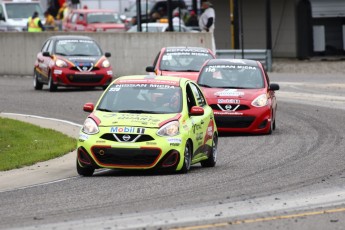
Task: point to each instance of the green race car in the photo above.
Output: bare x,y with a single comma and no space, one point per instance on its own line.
148,123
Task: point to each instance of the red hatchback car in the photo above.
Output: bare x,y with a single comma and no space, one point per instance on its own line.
68,60
94,20
180,61
240,94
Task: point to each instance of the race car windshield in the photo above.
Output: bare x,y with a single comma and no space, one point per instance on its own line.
231,76
103,18
183,61
77,48
142,98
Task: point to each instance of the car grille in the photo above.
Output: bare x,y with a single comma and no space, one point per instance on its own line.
234,121
126,157
221,107
126,137
84,78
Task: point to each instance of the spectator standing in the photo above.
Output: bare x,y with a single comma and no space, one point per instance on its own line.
207,20
50,21
192,20
177,20
35,24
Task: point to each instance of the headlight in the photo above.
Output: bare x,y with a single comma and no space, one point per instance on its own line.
60,63
170,129
106,64
260,101
90,126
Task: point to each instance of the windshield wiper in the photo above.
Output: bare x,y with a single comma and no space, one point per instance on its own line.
62,54
104,110
203,85
136,111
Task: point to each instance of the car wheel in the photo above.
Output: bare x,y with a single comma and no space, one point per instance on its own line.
187,158
212,159
37,85
84,171
52,87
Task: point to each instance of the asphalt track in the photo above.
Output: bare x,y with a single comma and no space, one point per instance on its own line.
293,179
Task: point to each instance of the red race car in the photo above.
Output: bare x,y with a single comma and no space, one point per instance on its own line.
180,61
240,94
67,60
94,20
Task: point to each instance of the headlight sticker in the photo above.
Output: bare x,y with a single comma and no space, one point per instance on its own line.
83,137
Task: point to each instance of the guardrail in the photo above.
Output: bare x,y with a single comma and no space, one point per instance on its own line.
262,55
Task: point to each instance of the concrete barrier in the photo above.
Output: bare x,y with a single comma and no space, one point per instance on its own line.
131,52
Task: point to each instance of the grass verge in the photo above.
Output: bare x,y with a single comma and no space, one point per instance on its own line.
23,144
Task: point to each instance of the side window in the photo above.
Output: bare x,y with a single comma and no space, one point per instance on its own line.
50,47
45,46
156,60
74,18
1,13
198,95
190,97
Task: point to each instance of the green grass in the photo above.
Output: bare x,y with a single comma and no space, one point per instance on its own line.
23,144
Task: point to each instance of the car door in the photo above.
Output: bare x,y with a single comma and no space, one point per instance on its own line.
44,61
203,125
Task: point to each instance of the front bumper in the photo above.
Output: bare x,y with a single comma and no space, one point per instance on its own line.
67,77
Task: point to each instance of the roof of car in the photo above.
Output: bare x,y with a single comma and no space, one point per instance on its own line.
93,11
186,48
152,79
64,37
232,61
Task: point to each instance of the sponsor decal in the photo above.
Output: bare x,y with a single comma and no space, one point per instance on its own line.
56,71
214,68
175,140
228,101
225,113
151,143
127,130
174,144
198,136
229,92
189,50
149,81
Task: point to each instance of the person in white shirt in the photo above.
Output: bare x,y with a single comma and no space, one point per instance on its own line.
177,20
207,20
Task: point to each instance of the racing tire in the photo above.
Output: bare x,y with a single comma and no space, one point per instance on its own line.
212,159
37,85
84,171
187,158
52,87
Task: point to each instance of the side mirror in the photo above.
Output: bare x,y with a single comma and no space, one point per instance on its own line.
88,107
46,54
2,18
196,111
107,54
150,69
274,87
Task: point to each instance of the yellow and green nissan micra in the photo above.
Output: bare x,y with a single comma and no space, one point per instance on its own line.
145,122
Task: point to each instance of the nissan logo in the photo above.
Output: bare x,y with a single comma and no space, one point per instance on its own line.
126,137
228,107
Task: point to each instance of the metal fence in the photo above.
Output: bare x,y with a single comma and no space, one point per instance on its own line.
262,55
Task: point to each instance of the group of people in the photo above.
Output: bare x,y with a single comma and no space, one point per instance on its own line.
55,13
205,22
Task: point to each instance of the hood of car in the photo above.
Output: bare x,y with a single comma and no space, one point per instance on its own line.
108,26
81,61
133,119
190,75
220,94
